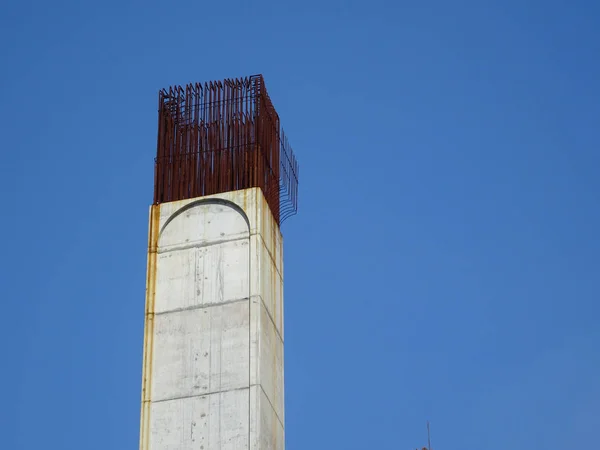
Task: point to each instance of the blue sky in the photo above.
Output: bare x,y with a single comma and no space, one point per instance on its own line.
444,265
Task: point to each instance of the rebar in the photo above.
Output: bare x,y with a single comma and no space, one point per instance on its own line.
224,136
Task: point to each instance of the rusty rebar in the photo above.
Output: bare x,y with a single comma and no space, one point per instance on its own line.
223,136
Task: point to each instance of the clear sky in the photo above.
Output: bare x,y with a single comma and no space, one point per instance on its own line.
444,264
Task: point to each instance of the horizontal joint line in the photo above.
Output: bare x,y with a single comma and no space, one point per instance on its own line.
200,244
203,306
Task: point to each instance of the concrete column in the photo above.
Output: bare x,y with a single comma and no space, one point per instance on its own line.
213,340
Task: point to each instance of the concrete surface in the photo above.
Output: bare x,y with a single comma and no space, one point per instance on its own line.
213,345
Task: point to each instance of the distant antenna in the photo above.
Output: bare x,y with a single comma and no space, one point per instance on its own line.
428,437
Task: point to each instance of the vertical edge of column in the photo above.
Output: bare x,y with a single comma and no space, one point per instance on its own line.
153,231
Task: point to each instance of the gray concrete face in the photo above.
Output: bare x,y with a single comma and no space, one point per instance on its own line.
213,347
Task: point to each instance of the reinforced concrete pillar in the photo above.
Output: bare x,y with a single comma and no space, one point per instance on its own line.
213,339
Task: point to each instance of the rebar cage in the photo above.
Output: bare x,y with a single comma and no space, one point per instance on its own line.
223,136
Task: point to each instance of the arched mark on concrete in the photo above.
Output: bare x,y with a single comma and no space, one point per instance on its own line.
206,201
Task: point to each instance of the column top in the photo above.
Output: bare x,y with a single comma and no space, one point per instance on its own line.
222,136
